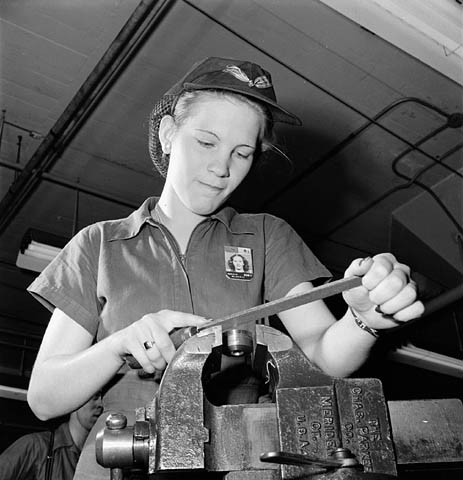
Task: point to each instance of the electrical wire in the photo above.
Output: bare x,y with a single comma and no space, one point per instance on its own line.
397,188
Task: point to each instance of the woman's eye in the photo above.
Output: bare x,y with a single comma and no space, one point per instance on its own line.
205,144
245,156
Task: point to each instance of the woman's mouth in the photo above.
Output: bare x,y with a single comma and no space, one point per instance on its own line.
211,187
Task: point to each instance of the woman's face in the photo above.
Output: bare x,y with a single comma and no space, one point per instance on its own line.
211,151
238,263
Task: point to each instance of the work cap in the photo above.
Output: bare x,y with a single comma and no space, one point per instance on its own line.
215,73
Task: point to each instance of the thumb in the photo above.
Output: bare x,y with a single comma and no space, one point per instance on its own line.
359,267
358,298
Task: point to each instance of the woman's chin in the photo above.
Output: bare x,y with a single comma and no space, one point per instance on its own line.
205,207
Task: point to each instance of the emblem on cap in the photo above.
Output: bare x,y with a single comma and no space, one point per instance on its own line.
259,82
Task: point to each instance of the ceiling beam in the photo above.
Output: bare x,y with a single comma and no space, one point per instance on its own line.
55,179
429,30
138,27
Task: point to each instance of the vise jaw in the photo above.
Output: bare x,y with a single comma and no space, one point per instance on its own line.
315,426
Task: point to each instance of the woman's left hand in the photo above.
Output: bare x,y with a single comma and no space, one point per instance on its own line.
387,296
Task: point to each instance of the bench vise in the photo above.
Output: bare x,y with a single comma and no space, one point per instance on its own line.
316,426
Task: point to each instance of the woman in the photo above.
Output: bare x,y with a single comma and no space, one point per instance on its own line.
238,263
119,284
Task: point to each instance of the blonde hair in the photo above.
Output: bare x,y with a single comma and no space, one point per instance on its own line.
180,109
183,107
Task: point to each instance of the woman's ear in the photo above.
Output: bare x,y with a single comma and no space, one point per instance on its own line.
166,132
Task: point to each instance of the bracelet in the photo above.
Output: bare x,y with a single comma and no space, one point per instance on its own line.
364,326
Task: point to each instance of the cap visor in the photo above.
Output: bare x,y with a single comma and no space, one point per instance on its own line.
279,114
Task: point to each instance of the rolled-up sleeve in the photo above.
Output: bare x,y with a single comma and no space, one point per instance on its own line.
69,282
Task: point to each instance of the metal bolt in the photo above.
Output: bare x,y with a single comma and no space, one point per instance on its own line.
116,421
237,342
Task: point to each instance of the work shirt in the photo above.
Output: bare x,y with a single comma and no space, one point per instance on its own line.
114,272
26,458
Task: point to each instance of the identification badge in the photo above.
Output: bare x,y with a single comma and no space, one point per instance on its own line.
238,263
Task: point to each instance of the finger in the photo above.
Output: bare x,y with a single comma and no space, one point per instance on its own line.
171,319
395,263
403,299
359,267
163,343
158,325
387,256
389,287
156,338
155,356
404,268
381,267
167,321
415,310
139,352
140,343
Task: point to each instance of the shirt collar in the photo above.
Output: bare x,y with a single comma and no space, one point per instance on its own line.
234,222
130,226
63,437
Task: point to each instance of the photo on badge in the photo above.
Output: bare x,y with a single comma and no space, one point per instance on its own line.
238,263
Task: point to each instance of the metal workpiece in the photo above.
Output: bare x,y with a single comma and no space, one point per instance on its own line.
237,342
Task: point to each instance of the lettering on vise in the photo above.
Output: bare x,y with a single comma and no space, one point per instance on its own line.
302,434
317,436
357,404
326,404
366,430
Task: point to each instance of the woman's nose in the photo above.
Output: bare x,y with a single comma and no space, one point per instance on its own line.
220,165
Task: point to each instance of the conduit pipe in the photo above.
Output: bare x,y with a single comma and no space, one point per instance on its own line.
147,15
427,359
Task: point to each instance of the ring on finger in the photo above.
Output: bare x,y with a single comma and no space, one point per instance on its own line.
148,344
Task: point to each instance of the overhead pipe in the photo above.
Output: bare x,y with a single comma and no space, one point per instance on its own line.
410,182
443,300
426,359
452,121
147,15
325,236
433,305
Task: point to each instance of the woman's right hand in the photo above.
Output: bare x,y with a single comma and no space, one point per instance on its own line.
154,329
